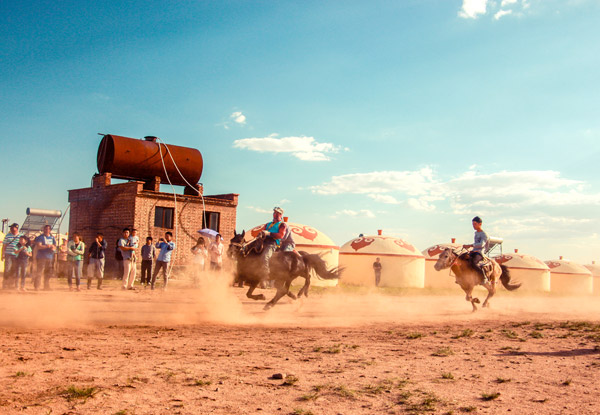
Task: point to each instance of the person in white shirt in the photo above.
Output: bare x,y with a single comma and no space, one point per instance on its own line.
216,254
200,254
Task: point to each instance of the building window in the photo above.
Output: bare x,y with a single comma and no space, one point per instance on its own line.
211,220
163,217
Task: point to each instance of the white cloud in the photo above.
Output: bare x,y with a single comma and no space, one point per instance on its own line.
259,210
409,182
471,9
501,13
384,198
303,148
507,3
365,213
238,118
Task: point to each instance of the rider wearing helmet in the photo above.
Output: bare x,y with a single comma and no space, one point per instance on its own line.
479,246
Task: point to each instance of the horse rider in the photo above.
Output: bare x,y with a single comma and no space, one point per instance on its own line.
479,246
277,234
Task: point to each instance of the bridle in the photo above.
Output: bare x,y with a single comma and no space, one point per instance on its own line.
243,245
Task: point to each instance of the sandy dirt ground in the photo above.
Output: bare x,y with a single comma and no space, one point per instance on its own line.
211,351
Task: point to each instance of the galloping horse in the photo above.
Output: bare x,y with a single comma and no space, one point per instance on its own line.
284,268
468,277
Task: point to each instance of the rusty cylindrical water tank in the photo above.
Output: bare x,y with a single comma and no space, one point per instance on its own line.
130,158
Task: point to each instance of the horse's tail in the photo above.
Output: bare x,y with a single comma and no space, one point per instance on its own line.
315,262
505,278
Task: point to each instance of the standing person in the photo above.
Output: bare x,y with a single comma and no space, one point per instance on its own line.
377,270
200,254
134,242
119,259
9,246
97,257
23,254
45,249
148,256
166,247
63,265
479,246
216,254
128,263
75,252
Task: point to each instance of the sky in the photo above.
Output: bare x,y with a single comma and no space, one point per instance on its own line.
406,116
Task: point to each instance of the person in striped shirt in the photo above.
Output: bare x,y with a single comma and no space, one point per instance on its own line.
9,256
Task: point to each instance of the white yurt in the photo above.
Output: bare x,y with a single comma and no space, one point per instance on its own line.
312,241
595,270
531,272
568,277
402,264
438,279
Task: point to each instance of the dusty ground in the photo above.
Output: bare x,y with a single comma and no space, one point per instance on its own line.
339,351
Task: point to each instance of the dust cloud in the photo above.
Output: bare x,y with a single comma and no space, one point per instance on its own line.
216,301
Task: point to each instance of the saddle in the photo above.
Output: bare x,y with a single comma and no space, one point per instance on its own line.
486,265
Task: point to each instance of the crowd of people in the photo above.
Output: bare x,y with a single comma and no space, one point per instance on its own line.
19,252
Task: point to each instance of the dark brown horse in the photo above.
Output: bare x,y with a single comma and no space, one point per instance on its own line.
468,276
284,268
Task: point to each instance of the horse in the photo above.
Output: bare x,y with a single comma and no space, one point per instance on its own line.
467,276
284,268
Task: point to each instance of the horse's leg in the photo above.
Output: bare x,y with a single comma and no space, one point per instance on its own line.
469,297
249,294
491,287
281,291
289,293
304,289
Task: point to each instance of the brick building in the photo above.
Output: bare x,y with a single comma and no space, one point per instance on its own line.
108,208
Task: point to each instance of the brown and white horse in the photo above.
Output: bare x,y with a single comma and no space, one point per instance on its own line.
468,277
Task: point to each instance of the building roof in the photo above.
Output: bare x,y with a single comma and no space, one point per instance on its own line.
433,252
303,235
563,266
594,268
521,261
380,245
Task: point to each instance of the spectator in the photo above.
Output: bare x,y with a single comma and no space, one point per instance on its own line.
377,270
134,242
23,252
127,253
200,254
216,254
164,257
9,246
75,252
46,247
97,256
148,256
63,265
119,259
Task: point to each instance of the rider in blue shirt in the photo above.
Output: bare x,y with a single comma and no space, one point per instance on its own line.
479,247
277,234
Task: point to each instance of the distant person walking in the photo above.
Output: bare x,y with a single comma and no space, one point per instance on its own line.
127,252
9,246
216,254
148,257
377,270
75,252
166,247
199,260
63,265
44,257
97,257
23,254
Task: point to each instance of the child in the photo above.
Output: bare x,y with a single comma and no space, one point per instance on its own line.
23,253
148,256
200,253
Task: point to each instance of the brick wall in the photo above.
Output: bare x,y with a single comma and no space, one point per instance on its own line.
109,208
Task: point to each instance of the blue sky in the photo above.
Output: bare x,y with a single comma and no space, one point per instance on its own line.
409,116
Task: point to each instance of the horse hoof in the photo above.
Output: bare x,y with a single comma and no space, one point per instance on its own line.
261,297
476,300
267,306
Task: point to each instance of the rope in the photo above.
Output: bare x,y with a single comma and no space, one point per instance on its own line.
175,204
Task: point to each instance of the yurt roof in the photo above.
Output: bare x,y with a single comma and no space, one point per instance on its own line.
594,269
303,235
564,266
433,252
380,245
521,261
